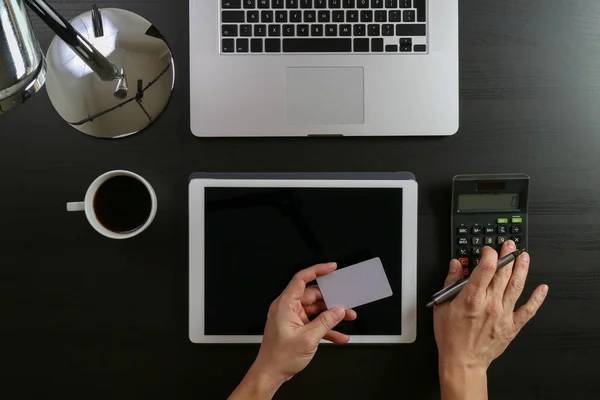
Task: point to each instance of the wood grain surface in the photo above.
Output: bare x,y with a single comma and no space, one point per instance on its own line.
82,316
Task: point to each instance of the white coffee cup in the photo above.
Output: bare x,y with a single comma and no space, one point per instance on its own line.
88,205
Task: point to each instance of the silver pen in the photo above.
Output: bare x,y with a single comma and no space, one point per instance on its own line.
450,292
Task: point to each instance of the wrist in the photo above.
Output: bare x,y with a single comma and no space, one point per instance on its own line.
463,381
263,382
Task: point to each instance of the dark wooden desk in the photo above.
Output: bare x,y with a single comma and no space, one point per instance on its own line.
85,316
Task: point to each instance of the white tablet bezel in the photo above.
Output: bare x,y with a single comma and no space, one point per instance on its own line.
409,253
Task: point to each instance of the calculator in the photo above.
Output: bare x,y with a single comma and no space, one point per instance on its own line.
487,210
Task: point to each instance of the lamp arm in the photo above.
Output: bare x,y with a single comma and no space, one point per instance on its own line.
106,70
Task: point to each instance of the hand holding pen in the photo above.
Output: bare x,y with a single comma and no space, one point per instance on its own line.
476,327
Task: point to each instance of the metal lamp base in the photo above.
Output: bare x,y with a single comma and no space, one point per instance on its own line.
112,109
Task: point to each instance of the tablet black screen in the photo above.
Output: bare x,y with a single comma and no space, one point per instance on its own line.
257,238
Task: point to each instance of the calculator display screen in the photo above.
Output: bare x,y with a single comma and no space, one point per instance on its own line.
488,202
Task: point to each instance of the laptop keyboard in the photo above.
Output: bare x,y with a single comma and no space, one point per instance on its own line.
323,26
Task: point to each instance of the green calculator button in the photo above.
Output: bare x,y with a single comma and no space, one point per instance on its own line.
502,221
518,220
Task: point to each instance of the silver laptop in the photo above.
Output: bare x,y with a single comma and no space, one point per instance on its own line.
324,67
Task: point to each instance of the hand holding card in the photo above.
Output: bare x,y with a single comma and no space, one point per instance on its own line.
356,285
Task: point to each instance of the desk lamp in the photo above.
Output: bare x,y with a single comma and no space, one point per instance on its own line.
109,73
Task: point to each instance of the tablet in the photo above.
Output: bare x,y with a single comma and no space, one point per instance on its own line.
250,233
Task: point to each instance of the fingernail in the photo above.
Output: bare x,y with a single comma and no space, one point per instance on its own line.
525,257
339,313
510,244
544,290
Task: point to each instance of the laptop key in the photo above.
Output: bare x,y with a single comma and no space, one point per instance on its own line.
366,16
273,45
374,30
256,45
320,3
391,3
391,48
346,30
305,3
231,3
335,3
289,30
233,16
410,30
377,45
310,16
229,30
420,48
395,16
249,3
291,4
266,16
388,30
274,30
421,10
359,30
361,45
363,3
325,45
324,16
303,30
260,30
277,3
330,30
253,16
349,4
381,16
281,16
295,16
241,45
337,16
228,45
409,16
405,3
352,16
246,30
316,30
264,3
376,3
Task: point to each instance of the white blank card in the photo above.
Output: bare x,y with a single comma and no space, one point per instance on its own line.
356,285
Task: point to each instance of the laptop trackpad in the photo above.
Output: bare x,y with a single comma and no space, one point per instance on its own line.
325,96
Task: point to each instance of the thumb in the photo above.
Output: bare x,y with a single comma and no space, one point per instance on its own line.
455,273
325,322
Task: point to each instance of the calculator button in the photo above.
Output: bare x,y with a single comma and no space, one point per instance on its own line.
502,230
463,261
515,229
502,221
466,272
502,239
490,229
476,241
488,241
517,240
476,230
463,230
517,220
463,241
463,251
476,251
474,262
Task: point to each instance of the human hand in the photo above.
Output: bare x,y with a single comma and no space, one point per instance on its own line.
290,339
477,326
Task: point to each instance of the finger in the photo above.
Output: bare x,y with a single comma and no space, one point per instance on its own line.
524,314
502,276
315,308
484,273
325,322
516,284
455,273
296,287
337,337
311,295
351,315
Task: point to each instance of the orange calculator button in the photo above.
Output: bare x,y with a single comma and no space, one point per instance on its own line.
466,272
464,262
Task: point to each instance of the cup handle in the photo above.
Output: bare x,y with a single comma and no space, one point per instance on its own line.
78,206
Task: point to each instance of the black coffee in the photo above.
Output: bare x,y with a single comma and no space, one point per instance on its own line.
122,204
